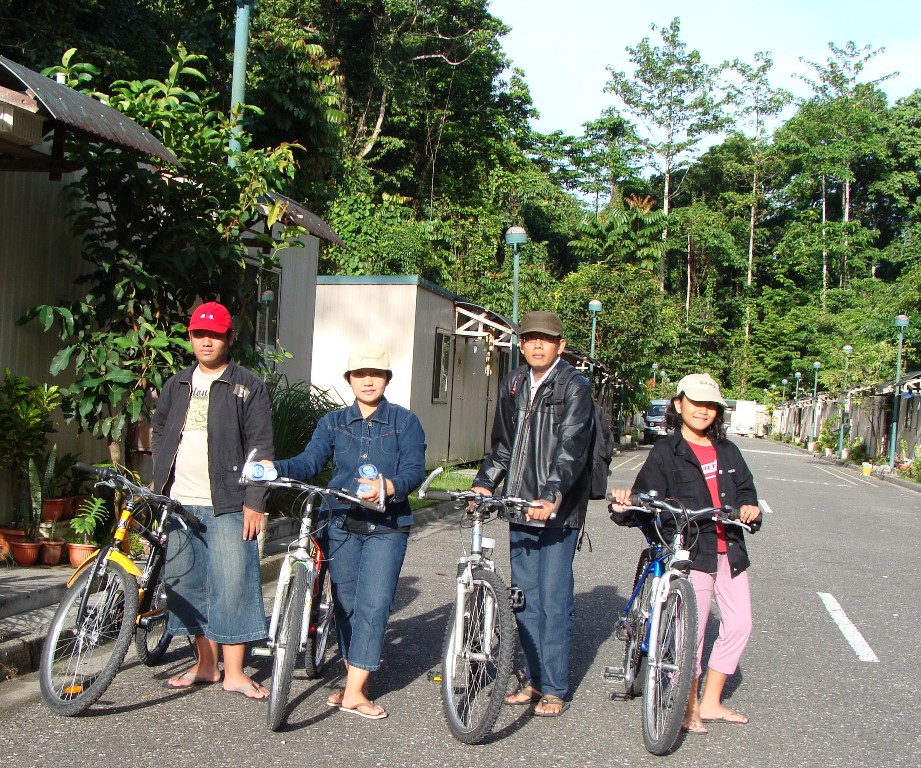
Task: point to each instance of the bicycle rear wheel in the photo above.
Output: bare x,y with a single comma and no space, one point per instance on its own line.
296,606
669,679
151,641
476,666
321,626
88,639
637,618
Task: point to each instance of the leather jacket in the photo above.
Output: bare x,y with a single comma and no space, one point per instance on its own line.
673,471
541,448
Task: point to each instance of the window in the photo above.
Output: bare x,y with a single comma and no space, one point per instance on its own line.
442,368
262,304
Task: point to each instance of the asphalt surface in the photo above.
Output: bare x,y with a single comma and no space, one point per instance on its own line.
811,699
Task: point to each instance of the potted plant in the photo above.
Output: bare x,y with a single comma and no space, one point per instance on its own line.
26,552
25,423
63,485
91,514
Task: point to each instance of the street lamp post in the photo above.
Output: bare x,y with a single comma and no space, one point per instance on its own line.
515,236
901,322
847,349
783,391
797,376
815,400
594,306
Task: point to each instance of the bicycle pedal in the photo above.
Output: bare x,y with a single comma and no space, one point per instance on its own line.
515,598
620,633
262,652
614,673
434,676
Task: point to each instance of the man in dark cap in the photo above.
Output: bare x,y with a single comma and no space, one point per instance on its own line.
541,451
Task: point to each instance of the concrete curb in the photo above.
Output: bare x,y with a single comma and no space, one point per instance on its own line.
31,611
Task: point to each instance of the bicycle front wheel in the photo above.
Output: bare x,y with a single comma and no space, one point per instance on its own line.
296,606
151,641
321,626
669,679
637,618
88,639
477,663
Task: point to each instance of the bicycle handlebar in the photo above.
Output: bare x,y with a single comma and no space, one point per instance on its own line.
337,493
108,476
650,504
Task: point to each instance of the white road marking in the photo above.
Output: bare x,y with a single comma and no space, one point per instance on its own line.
805,482
851,633
842,476
765,507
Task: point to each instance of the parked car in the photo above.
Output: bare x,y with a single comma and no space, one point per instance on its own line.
654,421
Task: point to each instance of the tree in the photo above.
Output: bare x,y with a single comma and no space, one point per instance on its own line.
155,241
675,93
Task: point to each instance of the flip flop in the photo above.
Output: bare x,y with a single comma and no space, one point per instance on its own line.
357,710
733,718
193,681
532,697
244,689
554,700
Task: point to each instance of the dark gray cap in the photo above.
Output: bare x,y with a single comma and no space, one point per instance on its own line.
541,322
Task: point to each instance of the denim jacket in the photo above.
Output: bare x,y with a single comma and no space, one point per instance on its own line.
391,439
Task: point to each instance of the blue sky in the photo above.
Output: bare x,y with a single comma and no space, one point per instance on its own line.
565,46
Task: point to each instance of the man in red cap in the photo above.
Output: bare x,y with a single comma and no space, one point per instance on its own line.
208,419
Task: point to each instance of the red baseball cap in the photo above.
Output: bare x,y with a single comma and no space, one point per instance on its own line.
211,316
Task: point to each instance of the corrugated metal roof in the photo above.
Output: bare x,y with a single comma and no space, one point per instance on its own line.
78,111
295,213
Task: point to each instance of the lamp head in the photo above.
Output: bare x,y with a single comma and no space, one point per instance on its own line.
847,349
594,306
516,236
797,375
901,322
817,364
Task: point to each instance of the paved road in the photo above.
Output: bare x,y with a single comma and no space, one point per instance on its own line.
811,699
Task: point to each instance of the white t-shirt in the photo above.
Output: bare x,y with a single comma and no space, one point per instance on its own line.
192,482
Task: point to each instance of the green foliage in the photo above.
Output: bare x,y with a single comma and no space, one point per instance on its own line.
90,516
155,243
296,409
25,423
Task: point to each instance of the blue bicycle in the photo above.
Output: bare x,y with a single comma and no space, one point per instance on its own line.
659,621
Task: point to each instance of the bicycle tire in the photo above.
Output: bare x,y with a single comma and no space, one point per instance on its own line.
321,626
634,655
669,680
152,642
473,689
81,656
287,643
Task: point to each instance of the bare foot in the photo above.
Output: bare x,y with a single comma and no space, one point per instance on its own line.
722,715
245,686
191,677
366,709
335,698
694,725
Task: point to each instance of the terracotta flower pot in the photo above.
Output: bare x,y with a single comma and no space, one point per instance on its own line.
25,553
56,509
52,551
79,552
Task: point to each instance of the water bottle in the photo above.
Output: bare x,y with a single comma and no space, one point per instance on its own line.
366,472
255,471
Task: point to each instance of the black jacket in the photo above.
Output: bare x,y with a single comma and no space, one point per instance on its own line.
673,471
239,419
542,449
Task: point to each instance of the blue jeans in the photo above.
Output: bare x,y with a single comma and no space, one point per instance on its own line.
541,560
213,585
364,570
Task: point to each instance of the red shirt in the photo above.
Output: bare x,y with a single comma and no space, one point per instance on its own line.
706,455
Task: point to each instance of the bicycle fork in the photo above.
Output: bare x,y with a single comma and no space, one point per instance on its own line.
466,596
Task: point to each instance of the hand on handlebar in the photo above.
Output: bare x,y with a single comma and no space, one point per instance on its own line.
620,499
748,513
541,509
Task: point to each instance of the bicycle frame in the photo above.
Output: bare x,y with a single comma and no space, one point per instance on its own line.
480,550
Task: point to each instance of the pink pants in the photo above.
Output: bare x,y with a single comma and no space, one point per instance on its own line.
734,600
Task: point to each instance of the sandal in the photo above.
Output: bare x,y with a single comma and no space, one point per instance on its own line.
524,695
551,701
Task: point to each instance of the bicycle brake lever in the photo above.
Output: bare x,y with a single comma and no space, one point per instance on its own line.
428,481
